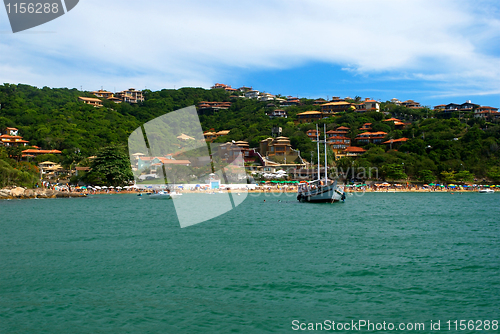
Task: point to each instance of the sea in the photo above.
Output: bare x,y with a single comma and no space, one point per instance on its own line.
391,262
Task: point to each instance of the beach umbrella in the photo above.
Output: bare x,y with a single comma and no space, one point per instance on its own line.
104,187
432,184
180,187
97,187
197,186
119,188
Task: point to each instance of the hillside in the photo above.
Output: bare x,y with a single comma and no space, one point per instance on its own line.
53,118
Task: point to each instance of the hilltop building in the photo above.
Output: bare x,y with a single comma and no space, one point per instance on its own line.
91,101
11,138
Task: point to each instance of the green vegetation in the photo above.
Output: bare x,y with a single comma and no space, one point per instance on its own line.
459,148
111,167
16,173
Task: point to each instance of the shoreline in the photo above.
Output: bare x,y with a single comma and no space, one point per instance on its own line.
39,193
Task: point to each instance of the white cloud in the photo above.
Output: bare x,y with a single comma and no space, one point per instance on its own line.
161,44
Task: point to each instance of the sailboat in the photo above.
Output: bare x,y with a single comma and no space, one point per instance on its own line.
321,189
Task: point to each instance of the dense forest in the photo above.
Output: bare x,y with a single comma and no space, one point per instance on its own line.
456,148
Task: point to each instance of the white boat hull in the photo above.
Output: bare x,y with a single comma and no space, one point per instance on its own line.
163,195
322,194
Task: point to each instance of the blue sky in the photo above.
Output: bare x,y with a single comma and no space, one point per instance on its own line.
433,52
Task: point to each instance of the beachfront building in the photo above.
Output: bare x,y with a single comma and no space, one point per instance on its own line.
91,101
153,165
279,150
50,170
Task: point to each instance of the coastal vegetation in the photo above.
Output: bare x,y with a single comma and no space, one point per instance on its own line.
448,148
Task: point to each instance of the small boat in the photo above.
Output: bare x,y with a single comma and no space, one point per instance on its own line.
321,190
163,195
486,191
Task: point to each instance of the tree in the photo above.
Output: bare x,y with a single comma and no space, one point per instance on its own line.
394,172
111,167
426,176
494,173
464,176
448,177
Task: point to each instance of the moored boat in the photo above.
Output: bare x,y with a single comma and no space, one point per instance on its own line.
486,191
163,195
322,189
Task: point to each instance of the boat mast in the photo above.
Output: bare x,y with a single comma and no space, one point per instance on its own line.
317,145
326,169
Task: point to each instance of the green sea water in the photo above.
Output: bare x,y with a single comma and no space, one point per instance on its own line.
122,264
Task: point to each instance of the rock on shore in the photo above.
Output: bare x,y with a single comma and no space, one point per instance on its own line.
21,193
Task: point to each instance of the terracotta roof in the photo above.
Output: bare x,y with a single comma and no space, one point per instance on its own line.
354,149
336,104
392,120
400,140
343,128
338,138
42,151
89,99
10,137
309,113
